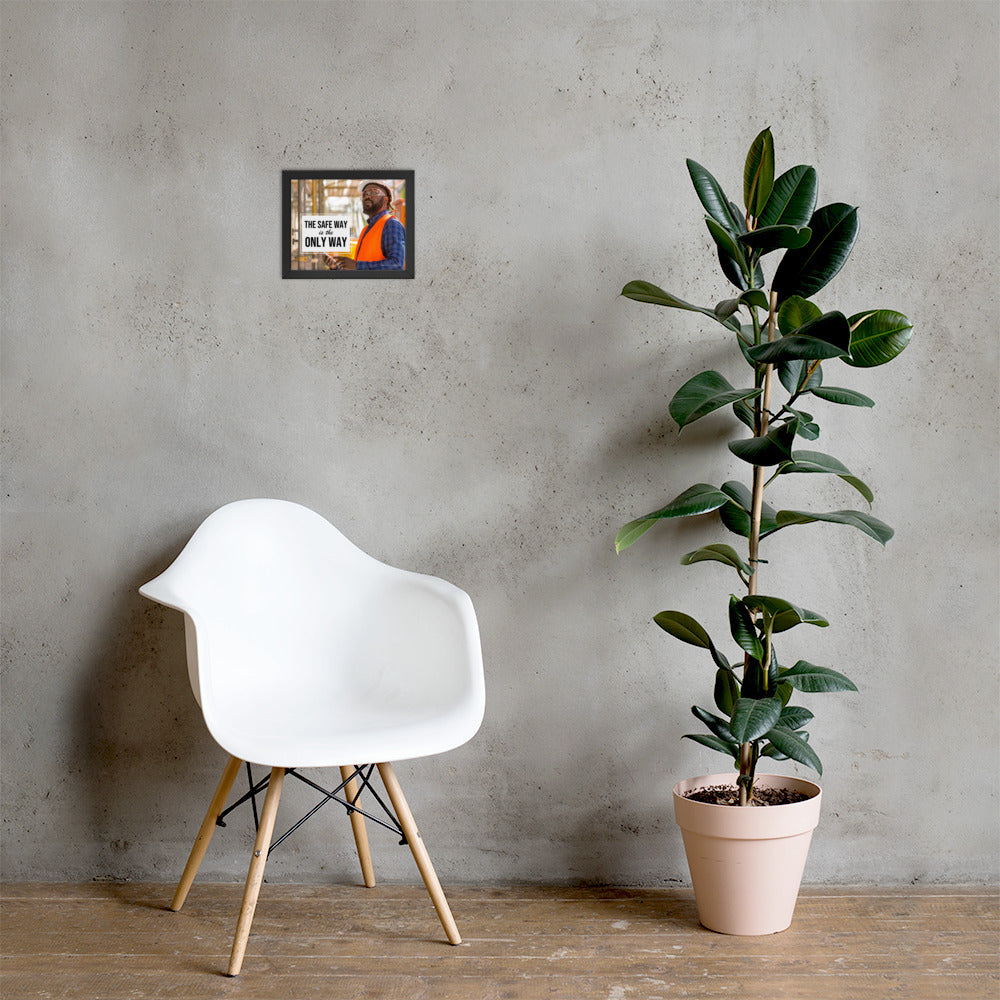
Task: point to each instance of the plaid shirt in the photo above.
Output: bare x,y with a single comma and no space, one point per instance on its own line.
393,247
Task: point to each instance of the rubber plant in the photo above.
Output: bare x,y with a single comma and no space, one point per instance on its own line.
787,341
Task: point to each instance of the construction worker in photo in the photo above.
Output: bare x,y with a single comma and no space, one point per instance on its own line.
382,243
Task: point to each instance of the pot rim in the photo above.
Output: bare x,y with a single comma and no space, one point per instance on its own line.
810,788
765,823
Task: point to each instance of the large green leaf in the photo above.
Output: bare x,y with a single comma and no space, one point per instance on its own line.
861,486
718,553
698,499
704,393
756,298
687,629
739,493
754,684
725,240
736,515
744,414
816,461
732,748
828,336
720,661
753,717
795,312
793,375
737,520
808,429
724,309
645,291
805,271
812,679
731,269
846,397
743,630
793,348
720,727
745,342
758,173
794,717
632,532
793,198
872,526
683,627
770,238
878,337
732,260
772,448
727,690
714,199
794,746
728,246
775,607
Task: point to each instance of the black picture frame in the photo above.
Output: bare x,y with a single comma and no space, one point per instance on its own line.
321,215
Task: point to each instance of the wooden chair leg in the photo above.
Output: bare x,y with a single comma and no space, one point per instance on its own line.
420,854
256,873
204,837
358,826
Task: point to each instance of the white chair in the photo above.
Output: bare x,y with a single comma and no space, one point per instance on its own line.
303,651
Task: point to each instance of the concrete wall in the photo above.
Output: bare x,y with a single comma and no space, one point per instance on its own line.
497,418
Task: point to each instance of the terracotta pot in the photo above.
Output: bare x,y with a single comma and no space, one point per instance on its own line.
746,862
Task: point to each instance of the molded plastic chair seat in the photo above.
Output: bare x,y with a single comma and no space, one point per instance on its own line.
304,651
333,728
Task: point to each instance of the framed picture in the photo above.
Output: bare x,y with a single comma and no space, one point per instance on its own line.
347,224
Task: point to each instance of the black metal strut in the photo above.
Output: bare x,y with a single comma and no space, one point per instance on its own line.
359,774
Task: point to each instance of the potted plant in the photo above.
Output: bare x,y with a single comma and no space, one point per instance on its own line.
786,339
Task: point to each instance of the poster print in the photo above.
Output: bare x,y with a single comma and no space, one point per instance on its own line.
347,224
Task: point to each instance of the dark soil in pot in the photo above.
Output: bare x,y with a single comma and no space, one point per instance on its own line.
729,795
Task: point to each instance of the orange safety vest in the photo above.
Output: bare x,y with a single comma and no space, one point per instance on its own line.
370,241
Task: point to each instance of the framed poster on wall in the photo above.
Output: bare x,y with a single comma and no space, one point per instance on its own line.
347,224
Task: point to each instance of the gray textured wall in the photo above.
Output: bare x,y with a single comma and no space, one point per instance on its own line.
497,418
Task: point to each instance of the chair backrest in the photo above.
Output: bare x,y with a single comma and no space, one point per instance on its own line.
250,554
274,573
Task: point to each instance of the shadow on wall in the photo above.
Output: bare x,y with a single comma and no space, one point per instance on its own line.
146,747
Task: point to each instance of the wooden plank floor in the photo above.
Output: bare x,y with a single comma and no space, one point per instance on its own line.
104,941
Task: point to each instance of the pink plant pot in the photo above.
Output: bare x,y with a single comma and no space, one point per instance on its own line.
746,863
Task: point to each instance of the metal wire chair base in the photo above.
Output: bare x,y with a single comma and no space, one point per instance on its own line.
362,774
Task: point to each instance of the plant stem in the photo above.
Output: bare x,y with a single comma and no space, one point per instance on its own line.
757,506
746,773
772,326
766,663
763,419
